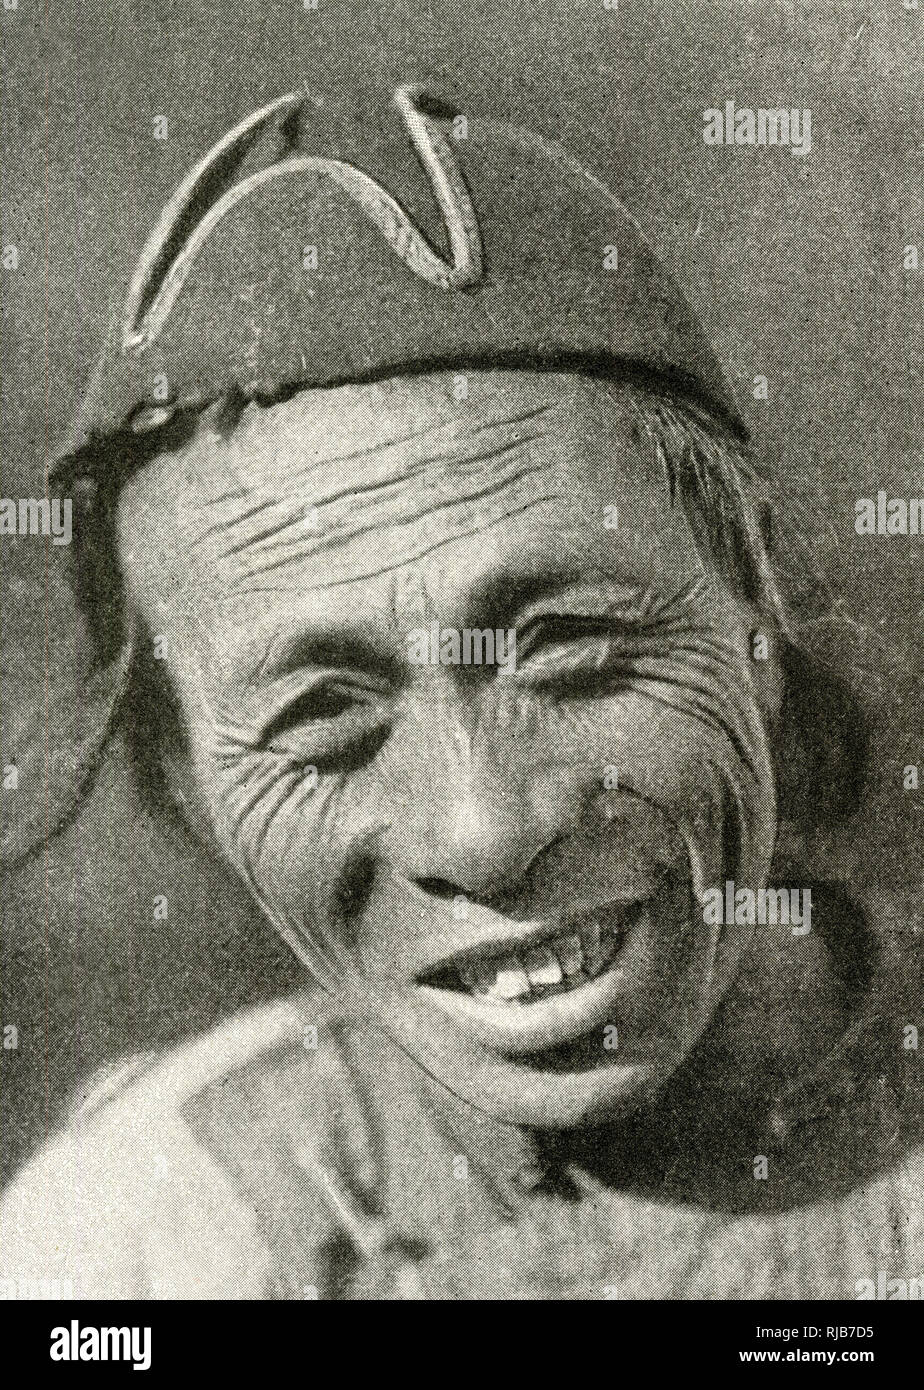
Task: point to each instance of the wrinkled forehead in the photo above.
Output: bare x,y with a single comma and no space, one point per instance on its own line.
339,489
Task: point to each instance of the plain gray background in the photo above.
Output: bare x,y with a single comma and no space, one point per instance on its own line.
795,266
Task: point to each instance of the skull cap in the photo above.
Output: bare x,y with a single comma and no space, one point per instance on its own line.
322,243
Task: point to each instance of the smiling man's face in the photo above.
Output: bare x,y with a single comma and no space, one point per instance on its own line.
501,863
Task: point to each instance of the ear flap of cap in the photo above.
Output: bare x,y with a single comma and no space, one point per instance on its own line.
53,749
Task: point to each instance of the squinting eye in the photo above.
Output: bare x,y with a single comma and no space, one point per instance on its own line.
577,657
550,636
333,723
321,703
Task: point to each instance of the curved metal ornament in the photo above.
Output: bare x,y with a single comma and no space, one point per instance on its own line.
170,251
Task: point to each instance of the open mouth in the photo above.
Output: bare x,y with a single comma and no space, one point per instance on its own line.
544,985
558,962
529,989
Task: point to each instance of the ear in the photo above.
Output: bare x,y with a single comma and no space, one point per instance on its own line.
52,749
820,742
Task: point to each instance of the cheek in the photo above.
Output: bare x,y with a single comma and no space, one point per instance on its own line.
278,823
628,744
683,793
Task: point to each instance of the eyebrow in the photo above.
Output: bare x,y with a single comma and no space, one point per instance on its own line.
507,596
331,645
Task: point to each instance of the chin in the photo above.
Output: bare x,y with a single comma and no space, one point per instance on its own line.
562,1088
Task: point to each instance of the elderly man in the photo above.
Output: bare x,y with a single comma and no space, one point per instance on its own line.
380,394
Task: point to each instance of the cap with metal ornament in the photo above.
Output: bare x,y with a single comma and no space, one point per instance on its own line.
322,243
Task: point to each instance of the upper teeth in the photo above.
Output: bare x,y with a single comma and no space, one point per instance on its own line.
551,966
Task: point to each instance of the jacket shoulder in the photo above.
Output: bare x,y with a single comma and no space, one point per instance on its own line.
169,1176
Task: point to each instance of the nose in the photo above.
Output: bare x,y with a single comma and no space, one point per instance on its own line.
470,825
480,850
